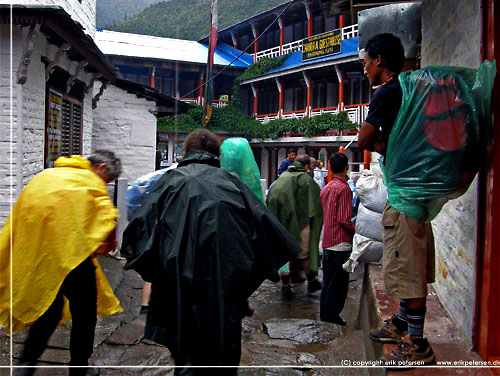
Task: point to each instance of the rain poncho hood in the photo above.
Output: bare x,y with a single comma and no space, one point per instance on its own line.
237,157
206,243
294,200
62,216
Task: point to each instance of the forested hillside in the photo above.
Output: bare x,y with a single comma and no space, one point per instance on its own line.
190,19
116,11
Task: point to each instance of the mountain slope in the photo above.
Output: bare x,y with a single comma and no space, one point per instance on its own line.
109,12
190,19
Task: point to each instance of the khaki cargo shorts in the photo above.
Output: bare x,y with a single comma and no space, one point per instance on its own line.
409,255
305,236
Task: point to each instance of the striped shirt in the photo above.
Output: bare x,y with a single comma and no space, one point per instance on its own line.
336,200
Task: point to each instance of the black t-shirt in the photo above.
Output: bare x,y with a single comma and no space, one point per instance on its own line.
384,107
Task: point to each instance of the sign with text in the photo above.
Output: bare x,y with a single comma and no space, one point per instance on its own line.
322,45
54,127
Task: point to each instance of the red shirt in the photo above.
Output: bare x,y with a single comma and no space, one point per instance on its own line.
336,200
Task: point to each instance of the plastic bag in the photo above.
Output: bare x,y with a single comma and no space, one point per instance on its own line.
371,191
434,147
369,223
363,250
140,188
237,157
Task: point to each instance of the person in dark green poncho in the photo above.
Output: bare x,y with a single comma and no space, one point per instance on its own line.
206,243
294,200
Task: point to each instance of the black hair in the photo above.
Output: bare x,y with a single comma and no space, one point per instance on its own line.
338,162
292,151
389,48
202,140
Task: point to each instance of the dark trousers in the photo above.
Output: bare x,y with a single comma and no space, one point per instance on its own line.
335,284
79,287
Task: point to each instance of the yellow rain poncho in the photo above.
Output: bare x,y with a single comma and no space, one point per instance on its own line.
62,216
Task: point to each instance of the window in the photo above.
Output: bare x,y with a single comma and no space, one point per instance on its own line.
63,132
318,25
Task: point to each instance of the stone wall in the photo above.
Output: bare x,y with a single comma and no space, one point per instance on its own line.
82,11
451,35
124,124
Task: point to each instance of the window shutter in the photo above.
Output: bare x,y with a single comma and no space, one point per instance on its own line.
65,128
76,131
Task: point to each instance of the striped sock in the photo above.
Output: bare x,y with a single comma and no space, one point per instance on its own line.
401,320
403,307
416,320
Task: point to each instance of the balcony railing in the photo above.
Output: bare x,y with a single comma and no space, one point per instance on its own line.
216,103
347,32
356,113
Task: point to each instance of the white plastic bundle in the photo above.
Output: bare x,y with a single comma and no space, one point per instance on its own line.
371,189
369,223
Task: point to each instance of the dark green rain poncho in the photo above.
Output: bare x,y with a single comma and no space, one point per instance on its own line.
206,243
294,200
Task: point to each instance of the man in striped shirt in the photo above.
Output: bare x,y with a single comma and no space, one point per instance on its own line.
338,230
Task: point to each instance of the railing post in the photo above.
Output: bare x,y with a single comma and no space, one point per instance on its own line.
279,84
255,98
121,185
282,34
255,33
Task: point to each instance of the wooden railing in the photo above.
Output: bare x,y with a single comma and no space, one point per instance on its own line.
264,119
347,32
299,114
356,113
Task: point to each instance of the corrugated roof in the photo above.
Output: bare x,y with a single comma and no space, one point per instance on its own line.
146,46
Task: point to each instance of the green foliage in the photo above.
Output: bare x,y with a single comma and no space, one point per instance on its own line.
230,119
261,67
108,13
191,19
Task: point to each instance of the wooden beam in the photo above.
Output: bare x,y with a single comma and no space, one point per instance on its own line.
22,70
77,44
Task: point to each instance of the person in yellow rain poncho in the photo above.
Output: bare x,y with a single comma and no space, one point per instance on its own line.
62,219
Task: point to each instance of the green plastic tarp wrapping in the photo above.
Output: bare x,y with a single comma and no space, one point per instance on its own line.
434,148
237,157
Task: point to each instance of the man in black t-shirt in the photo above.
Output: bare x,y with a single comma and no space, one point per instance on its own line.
408,258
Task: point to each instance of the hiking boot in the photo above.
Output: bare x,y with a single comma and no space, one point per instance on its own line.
286,292
313,285
388,333
410,352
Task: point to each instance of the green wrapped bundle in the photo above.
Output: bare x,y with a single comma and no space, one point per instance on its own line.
435,144
237,157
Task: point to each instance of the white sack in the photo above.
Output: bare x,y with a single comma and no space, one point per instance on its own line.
363,250
366,250
371,190
369,223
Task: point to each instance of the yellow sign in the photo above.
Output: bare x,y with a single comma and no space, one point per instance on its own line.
54,126
322,45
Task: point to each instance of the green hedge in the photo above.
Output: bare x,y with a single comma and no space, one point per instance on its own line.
230,119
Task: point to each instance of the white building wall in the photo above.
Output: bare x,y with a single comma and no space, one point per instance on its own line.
82,12
124,124
22,147
451,35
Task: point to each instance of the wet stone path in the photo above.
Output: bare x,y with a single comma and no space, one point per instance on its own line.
279,333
